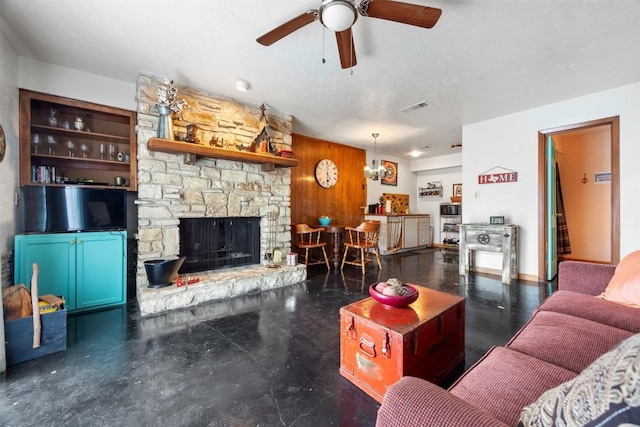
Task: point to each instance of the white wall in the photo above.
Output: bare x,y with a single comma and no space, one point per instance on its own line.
406,181
511,142
9,166
434,163
61,81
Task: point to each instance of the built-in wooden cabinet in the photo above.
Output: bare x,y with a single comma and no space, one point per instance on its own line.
69,142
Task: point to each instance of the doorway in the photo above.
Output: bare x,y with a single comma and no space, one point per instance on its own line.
592,195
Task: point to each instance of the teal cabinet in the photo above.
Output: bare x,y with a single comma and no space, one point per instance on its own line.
55,255
88,269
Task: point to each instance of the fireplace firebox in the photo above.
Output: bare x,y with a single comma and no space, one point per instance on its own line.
215,243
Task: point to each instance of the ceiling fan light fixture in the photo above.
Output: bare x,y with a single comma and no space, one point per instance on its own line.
338,15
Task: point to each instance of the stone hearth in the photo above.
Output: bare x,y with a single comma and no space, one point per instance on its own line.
219,284
170,189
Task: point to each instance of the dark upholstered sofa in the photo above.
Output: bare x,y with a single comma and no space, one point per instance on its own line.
566,333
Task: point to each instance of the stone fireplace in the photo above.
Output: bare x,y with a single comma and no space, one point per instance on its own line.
219,242
170,189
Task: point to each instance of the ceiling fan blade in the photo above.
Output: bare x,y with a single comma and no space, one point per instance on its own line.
288,27
346,49
405,13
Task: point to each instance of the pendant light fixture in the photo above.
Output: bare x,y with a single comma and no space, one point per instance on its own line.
376,168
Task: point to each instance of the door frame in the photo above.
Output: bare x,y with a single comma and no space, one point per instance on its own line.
614,128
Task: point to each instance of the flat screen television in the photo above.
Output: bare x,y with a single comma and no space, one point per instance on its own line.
60,209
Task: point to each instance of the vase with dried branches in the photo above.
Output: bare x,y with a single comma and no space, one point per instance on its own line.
167,105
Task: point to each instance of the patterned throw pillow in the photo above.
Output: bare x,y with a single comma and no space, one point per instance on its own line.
606,393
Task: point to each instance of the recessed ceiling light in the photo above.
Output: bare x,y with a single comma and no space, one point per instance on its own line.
418,151
242,85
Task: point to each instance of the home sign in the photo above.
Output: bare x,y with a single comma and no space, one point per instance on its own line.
497,175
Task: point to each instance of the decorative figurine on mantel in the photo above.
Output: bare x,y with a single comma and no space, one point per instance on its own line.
216,142
263,142
167,105
192,133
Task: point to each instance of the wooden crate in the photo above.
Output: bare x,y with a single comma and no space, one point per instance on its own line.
380,344
19,337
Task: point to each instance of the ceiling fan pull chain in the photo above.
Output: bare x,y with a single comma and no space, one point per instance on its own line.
351,58
324,61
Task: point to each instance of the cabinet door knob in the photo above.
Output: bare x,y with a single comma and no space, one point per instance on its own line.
79,241
71,242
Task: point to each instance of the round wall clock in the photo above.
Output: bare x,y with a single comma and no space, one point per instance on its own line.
326,173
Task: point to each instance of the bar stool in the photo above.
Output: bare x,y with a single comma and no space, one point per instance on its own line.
308,238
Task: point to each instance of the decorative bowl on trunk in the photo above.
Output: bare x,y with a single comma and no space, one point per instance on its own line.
394,300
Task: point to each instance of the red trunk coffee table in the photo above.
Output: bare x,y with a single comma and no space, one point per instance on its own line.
381,344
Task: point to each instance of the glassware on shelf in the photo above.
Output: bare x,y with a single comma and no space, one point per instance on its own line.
112,152
72,148
52,120
101,151
78,123
36,140
51,144
84,148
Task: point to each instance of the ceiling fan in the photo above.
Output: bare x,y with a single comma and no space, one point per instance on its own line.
340,15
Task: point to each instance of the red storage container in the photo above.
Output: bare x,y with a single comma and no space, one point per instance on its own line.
381,344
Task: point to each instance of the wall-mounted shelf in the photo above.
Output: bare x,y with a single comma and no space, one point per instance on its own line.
429,192
51,146
433,189
268,161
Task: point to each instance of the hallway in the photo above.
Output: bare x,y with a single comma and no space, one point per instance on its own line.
269,359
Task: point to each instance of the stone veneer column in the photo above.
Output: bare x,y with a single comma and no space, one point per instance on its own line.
169,189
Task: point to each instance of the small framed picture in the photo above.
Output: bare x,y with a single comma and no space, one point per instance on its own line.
496,220
457,190
389,175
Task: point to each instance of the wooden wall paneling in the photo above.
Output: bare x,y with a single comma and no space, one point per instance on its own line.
344,201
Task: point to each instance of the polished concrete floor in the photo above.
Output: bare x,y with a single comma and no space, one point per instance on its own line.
269,359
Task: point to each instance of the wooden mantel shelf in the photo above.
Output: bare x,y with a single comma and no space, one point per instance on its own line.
268,161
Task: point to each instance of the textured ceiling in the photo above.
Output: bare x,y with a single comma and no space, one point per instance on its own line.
483,59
